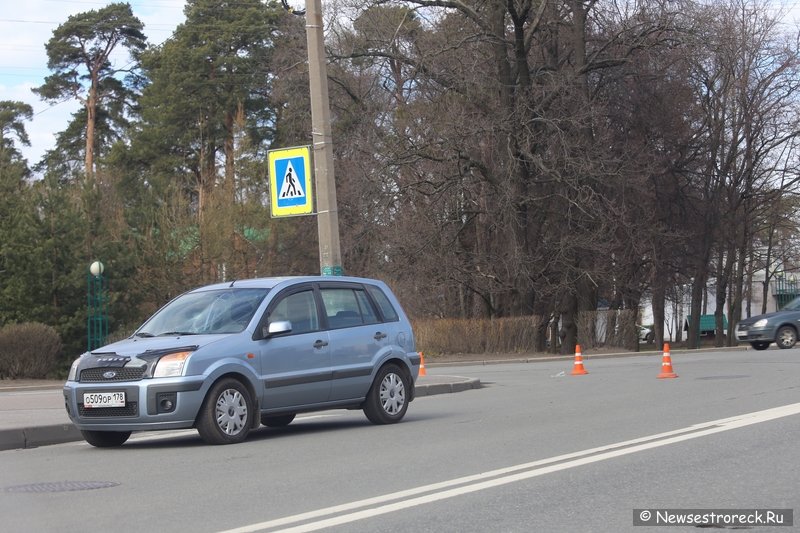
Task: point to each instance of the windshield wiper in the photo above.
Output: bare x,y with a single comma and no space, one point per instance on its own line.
176,333
144,334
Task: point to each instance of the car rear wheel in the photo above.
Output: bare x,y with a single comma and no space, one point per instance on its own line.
387,399
760,345
277,421
106,439
226,415
786,337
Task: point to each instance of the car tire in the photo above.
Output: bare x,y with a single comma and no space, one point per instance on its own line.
105,439
387,399
650,337
227,413
786,337
279,421
762,345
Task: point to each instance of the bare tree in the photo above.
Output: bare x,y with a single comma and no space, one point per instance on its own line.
745,72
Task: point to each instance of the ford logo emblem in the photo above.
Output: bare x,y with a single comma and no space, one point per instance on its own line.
109,375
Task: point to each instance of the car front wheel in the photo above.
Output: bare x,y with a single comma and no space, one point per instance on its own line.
786,337
759,345
106,439
387,399
226,415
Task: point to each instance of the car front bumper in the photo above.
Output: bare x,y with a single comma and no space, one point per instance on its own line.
150,404
749,334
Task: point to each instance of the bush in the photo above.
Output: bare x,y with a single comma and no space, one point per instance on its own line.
28,350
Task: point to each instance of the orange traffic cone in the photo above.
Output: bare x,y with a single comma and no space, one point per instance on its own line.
666,365
422,371
577,368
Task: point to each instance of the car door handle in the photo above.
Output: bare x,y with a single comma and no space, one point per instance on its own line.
379,336
320,344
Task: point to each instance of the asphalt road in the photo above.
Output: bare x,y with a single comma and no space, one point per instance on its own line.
536,449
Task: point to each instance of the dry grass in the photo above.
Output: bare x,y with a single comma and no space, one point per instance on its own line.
598,329
498,335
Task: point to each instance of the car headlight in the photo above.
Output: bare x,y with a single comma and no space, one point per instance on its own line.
171,365
760,323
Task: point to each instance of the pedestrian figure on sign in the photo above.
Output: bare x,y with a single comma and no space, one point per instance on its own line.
291,190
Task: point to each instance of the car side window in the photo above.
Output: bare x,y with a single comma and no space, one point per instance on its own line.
389,314
347,307
298,308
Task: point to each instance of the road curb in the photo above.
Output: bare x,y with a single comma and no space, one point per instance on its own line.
33,437
457,385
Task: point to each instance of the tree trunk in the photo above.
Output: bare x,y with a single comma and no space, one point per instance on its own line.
91,119
735,311
658,305
205,192
569,327
698,287
631,341
723,276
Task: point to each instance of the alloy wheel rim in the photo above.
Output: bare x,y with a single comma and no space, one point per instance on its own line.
231,412
392,394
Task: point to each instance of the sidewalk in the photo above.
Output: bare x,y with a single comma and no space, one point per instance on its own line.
32,412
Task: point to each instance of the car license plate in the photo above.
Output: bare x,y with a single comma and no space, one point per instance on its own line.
103,399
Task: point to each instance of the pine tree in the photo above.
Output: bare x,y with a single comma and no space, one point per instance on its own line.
79,54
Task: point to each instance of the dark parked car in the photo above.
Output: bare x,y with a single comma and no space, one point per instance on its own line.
226,357
780,327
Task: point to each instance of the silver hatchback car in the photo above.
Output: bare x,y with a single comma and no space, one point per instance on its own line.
226,357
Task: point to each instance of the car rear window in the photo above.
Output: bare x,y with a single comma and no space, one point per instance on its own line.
388,311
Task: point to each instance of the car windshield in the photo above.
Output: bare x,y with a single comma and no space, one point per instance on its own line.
206,312
794,305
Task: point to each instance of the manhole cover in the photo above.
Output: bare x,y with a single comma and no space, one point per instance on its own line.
62,486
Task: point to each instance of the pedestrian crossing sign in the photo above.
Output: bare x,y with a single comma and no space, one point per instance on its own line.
290,181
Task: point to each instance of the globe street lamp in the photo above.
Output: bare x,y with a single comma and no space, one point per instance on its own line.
97,317
96,268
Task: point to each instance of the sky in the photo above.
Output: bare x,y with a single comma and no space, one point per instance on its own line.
27,25
25,28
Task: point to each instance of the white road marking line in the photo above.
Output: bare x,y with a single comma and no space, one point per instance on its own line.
508,475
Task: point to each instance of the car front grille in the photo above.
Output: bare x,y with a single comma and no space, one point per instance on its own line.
130,409
95,375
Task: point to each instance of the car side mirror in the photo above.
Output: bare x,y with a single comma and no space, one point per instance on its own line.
276,328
